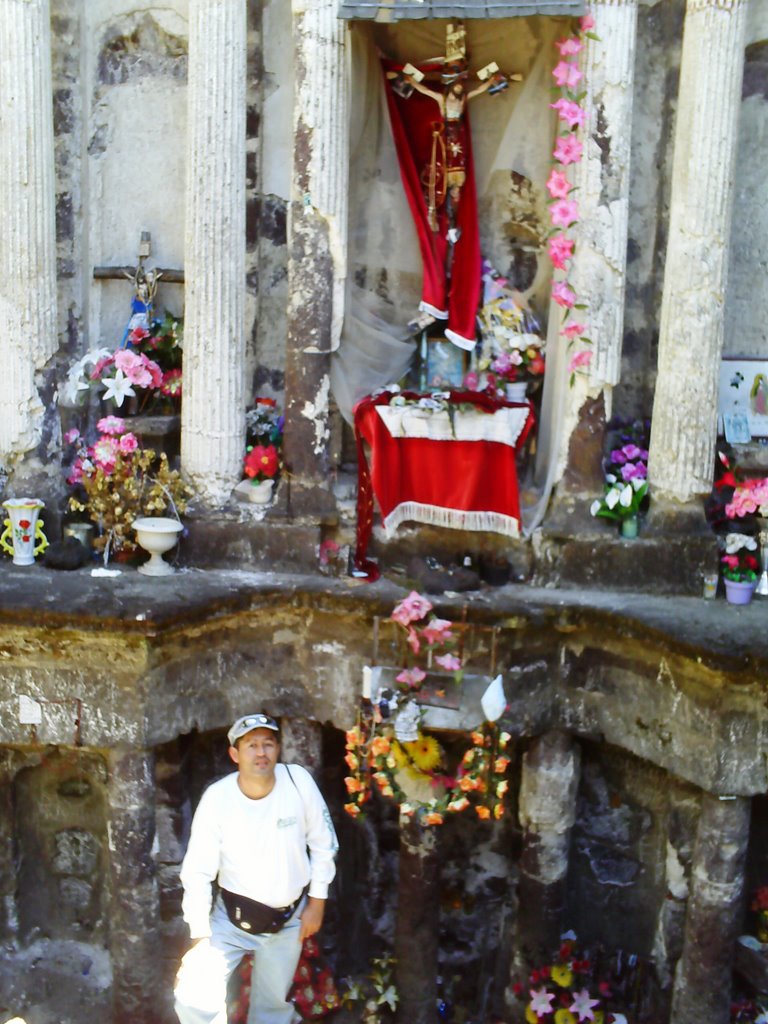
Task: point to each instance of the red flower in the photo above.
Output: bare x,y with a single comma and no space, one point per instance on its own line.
26,538
261,463
24,524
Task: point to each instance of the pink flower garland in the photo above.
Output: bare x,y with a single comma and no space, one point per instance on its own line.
564,211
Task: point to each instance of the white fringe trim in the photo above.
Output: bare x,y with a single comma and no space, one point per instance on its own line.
453,518
440,314
467,344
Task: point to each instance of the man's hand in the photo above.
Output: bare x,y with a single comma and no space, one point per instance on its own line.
311,917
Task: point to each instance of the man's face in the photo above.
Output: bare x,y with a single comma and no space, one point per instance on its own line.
256,753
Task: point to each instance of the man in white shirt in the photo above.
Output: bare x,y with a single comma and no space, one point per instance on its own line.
264,832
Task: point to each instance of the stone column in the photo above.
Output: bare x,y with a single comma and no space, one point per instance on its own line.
683,432
317,247
416,928
602,178
27,213
213,410
550,779
702,989
134,902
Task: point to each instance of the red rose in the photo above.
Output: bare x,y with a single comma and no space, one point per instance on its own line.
24,524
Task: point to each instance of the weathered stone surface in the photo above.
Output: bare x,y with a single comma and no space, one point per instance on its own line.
416,936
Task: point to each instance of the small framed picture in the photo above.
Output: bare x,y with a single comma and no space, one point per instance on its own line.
743,399
446,364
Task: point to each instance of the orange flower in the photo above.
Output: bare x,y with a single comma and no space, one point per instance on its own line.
483,812
380,745
353,785
433,818
352,809
467,783
459,804
478,739
353,737
352,761
500,764
498,811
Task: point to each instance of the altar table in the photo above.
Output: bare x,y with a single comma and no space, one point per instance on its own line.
449,466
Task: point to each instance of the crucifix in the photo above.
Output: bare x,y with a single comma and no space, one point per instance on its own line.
435,155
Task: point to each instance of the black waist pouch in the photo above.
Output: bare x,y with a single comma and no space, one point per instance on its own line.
255,917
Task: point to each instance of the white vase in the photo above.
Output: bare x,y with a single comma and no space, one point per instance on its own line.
515,391
261,493
157,534
24,530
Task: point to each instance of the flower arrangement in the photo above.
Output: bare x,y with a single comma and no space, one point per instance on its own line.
147,368
513,348
566,991
563,209
759,905
737,561
264,423
406,764
626,483
376,992
116,481
261,462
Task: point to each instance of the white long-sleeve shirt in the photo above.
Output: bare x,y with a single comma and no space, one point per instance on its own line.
258,848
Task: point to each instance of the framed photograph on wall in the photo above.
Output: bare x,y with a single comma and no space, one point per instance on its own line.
743,400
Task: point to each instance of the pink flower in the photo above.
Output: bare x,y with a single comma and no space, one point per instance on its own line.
558,185
579,360
634,471
573,330
569,47
71,436
586,23
570,112
101,366
560,250
437,631
563,295
564,212
133,366
502,363
568,150
449,662
171,383
411,609
471,381
566,75
732,561
413,640
111,425
155,373
412,677
128,443
137,335
105,453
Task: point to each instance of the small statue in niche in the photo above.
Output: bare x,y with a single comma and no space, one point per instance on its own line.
436,166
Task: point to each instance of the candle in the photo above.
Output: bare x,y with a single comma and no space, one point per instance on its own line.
367,682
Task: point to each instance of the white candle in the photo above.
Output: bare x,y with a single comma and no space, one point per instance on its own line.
367,682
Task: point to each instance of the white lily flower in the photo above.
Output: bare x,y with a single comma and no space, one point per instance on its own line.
117,387
612,497
594,508
625,498
737,541
611,478
637,482
76,383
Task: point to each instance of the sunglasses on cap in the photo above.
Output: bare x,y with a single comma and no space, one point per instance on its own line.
248,722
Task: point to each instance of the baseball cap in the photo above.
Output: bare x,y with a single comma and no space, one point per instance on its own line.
248,722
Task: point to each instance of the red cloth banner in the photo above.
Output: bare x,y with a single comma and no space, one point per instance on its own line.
456,298
470,485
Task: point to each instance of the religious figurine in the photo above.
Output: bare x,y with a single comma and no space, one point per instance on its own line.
436,165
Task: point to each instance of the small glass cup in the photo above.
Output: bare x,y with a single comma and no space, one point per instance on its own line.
709,591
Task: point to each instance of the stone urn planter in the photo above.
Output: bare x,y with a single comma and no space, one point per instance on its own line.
157,534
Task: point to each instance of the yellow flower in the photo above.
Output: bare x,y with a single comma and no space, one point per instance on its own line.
563,1016
425,753
530,1016
562,975
599,1017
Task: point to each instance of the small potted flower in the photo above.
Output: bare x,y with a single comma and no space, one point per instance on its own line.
626,484
261,464
739,567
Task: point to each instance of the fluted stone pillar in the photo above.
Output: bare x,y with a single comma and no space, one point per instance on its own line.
683,432
317,246
702,989
547,808
134,901
213,410
602,177
27,214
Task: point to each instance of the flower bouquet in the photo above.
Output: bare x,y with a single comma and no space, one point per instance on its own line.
567,991
513,348
626,484
146,370
264,423
116,481
738,562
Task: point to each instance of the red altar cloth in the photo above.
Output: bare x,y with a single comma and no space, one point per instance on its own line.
463,484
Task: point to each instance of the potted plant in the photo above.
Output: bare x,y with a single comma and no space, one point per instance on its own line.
116,482
739,567
261,464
